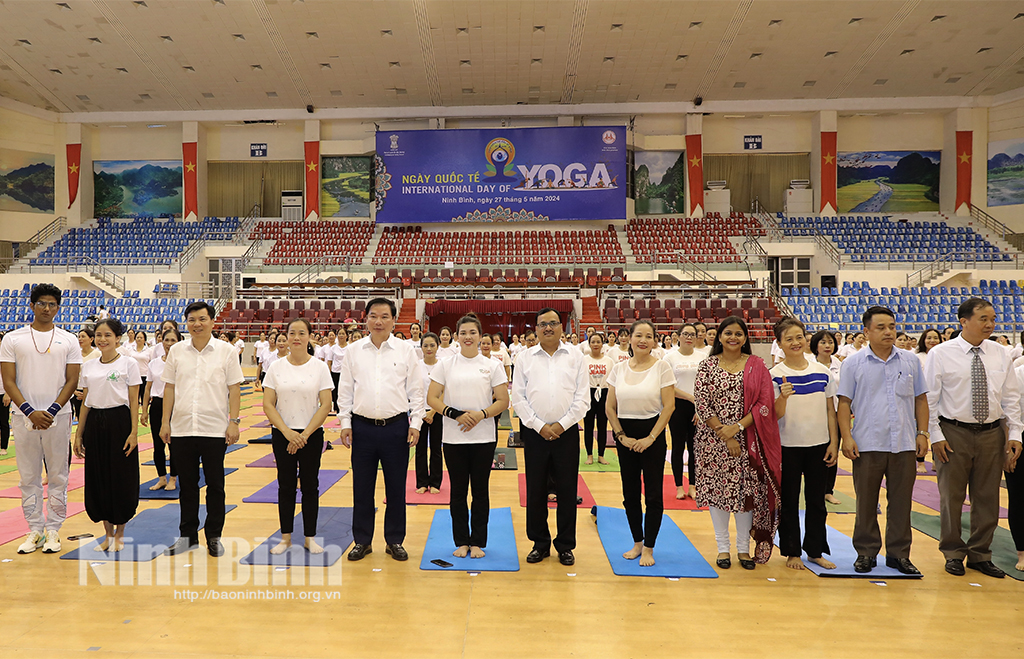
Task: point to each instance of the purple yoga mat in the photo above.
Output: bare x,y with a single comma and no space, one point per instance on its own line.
261,424
926,493
268,493
269,461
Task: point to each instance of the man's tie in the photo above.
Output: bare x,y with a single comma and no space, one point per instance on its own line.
979,387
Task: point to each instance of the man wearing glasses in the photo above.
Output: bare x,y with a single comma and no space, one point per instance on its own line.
40,365
550,394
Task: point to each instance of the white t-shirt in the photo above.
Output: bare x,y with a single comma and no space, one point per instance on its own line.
107,385
469,385
337,357
806,420
415,343
268,359
141,357
617,354
156,371
298,389
95,354
40,377
239,346
427,370
259,347
847,350
684,368
638,394
598,369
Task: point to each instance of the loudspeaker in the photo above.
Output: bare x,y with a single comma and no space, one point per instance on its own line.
309,109
697,101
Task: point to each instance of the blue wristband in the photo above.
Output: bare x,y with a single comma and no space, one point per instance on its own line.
53,409
26,409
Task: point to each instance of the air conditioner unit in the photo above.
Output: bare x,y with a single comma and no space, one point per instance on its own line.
717,185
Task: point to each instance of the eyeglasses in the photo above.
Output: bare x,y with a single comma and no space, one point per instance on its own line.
551,323
47,305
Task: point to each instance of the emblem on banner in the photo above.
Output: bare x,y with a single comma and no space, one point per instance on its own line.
394,141
499,153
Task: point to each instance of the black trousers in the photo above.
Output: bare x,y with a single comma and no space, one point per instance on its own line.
561,459
142,389
156,418
429,472
389,447
5,425
680,424
648,468
334,394
303,466
76,407
188,453
830,478
596,413
470,464
808,463
1015,503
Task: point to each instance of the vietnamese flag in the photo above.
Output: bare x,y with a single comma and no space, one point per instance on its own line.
74,152
312,180
829,169
695,174
964,151
189,151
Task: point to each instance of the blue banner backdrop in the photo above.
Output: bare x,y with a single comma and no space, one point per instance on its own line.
501,175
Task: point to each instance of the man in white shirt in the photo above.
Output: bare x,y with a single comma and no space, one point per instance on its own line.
40,364
550,394
202,398
972,388
380,408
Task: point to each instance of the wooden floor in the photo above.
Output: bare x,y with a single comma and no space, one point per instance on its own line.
56,608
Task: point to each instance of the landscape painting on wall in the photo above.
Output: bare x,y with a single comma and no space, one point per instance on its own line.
130,188
26,181
345,186
1006,172
888,181
658,182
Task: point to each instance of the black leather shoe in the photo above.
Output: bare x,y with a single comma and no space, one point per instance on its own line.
902,564
358,552
214,546
181,545
536,555
988,568
955,566
566,558
397,552
724,563
747,563
864,564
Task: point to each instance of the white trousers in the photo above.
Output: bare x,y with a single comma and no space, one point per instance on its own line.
32,446
744,522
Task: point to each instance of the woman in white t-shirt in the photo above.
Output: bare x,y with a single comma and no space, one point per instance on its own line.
140,351
467,389
158,349
598,368
153,410
447,348
429,468
89,353
296,399
268,358
823,347
620,352
108,434
259,346
488,351
851,347
641,398
683,426
335,358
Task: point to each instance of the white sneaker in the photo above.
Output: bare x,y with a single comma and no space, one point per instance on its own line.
33,541
52,544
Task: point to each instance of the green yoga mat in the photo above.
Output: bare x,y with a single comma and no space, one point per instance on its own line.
8,468
10,452
611,456
847,504
1004,553
505,421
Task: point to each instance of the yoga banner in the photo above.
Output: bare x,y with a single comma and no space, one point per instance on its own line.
501,175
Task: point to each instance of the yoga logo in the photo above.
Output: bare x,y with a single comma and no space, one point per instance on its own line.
499,153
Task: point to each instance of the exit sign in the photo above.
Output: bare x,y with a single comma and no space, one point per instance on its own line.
258,150
751,142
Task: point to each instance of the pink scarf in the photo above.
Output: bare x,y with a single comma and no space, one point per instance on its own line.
764,449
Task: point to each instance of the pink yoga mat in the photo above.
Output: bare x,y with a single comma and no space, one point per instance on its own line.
143,446
443,498
76,480
669,494
14,527
581,490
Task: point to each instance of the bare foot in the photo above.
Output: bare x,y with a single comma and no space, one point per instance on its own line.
159,485
282,547
635,552
829,498
3,451
312,547
461,552
921,469
103,545
172,483
680,492
476,552
1020,561
794,563
434,490
590,460
601,460
421,490
824,562
647,557
118,545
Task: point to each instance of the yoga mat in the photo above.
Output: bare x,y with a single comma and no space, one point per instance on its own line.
501,554
231,449
581,491
265,439
332,422
926,493
10,451
268,460
442,498
76,480
505,421
8,468
14,527
146,536
1004,552
268,493
847,504
611,456
843,555
674,554
333,533
669,494
146,493
261,424
511,463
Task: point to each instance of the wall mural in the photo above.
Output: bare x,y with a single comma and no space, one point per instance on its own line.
26,181
888,181
128,188
1006,172
345,186
658,182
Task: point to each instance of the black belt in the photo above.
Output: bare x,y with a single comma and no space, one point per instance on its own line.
975,427
381,422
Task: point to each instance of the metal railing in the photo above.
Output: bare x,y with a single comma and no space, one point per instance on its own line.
140,264
776,299
44,234
183,290
247,225
688,263
98,270
196,247
991,223
963,261
330,263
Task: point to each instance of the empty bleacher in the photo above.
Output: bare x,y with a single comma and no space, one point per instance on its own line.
410,276
656,240
671,312
253,316
298,242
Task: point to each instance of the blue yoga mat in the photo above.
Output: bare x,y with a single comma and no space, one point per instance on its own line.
146,536
674,554
333,532
146,493
268,493
843,555
501,545
230,449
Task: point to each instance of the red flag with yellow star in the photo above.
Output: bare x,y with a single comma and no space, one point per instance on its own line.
312,180
74,166
695,174
189,151
828,172
964,151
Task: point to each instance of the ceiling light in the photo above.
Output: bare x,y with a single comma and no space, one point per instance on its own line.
468,90
907,51
756,55
831,53
538,28
695,25
953,80
739,85
325,65
140,4
778,115
913,113
238,37
854,21
810,83
401,90
256,67
775,22
536,60
609,59
462,30
937,17
207,95
23,42
734,116
681,57
218,2
881,81
82,97
616,27
122,70
983,50
271,94
145,97
57,72
312,35
166,37
95,40
670,85
386,33
394,65
1020,15
156,125
465,62
64,6
335,92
